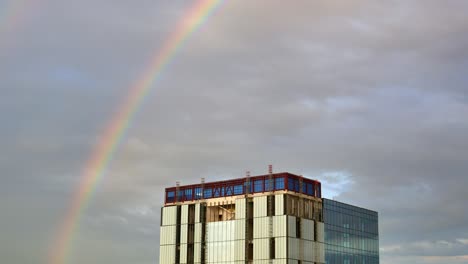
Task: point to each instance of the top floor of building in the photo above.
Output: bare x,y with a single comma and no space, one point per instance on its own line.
241,186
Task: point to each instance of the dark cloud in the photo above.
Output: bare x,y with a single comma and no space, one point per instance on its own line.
369,97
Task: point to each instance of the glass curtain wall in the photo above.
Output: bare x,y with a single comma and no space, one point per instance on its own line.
351,234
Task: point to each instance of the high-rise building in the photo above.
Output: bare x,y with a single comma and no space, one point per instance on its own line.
272,218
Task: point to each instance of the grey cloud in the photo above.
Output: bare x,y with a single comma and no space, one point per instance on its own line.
456,247
374,90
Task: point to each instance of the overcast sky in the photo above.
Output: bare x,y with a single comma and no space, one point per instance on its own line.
370,97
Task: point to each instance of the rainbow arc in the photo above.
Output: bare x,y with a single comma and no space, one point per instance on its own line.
115,131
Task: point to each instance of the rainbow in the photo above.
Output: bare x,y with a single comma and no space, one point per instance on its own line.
115,131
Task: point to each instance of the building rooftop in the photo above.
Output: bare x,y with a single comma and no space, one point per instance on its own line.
241,186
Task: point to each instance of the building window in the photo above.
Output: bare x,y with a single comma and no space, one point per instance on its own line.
170,197
198,193
271,205
162,216
180,195
298,227
258,186
238,189
217,192
228,191
310,189
208,193
272,248
250,252
290,184
293,184
188,194
279,182
346,240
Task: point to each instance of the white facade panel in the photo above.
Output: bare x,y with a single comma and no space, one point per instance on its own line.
293,248
184,214
307,229
211,257
261,249
320,231
169,215
231,246
167,235
196,253
279,226
239,229
291,226
183,233
221,251
197,233
240,208
279,204
309,250
239,247
280,247
197,213
220,231
167,254
183,253
320,252
260,227
260,206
